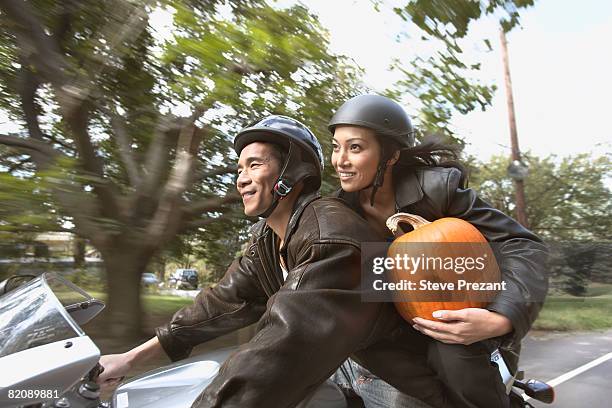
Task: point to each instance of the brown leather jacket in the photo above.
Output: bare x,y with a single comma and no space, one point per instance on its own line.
308,325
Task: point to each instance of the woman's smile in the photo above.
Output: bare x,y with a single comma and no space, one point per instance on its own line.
346,175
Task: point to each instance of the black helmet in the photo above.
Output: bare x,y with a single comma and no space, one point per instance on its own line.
304,160
386,118
381,114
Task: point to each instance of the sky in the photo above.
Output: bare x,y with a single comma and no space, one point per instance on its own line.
560,63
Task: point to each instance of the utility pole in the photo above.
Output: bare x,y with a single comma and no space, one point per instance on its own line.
516,170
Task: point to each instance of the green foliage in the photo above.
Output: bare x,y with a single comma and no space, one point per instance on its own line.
218,247
26,206
225,63
161,306
88,281
589,312
574,265
443,82
568,205
448,20
442,86
567,198
211,249
164,306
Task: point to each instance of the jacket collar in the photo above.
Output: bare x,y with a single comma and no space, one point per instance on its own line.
407,188
300,204
298,208
407,191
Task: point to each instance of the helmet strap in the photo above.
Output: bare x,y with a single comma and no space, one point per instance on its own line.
283,185
379,178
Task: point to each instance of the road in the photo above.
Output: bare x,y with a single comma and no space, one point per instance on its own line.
580,364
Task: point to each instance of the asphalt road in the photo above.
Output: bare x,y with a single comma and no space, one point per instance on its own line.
578,364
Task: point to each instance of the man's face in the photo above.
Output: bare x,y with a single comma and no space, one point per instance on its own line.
258,170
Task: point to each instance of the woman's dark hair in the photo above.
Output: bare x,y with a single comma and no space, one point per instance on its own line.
432,152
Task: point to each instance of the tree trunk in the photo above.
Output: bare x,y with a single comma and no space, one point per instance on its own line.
78,252
124,267
161,269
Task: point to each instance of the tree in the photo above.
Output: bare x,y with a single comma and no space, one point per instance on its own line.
97,93
443,82
569,204
24,203
568,197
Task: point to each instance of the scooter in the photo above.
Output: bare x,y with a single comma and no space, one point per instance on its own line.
46,360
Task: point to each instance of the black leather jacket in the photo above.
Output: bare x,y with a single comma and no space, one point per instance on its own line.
434,193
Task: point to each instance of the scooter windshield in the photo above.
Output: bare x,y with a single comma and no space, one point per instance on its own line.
32,315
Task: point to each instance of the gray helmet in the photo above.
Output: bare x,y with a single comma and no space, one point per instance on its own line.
381,114
386,118
304,160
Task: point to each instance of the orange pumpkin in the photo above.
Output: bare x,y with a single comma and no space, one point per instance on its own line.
466,241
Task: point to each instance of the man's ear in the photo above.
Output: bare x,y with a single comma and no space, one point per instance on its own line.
393,158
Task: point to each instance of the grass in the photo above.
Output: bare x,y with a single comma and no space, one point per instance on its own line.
155,305
164,305
568,313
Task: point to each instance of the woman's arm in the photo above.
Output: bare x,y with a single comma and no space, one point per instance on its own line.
521,256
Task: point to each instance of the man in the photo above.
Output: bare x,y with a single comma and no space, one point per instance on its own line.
299,277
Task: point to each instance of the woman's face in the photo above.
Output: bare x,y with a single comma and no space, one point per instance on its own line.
355,156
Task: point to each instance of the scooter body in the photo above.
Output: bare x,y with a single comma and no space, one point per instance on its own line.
46,360
43,351
179,384
175,385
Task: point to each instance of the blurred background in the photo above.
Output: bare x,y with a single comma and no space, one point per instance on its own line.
116,122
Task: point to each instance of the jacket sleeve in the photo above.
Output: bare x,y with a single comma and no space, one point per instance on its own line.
311,325
521,256
235,302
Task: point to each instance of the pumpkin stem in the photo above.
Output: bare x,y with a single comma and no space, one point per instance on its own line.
414,220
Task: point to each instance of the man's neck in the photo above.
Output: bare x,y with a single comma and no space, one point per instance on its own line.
279,218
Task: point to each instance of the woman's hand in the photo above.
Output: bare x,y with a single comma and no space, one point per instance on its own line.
465,326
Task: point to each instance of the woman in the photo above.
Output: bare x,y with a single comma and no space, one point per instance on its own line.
381,173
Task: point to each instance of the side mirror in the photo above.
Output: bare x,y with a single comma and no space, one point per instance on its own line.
14,282
83,312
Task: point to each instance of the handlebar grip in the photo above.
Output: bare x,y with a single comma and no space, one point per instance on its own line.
95,372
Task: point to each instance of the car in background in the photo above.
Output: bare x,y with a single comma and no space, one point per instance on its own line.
149,280
184,279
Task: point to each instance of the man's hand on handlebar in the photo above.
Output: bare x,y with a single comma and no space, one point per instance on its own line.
116,367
